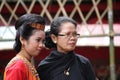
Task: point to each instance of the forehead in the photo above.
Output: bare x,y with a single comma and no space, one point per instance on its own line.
38,33
67,26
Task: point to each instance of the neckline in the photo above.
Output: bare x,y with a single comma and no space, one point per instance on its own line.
57,53
29,64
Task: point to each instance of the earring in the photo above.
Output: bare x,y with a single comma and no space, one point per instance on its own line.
54,41
22,46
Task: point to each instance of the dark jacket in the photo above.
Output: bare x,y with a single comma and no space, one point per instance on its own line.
60,66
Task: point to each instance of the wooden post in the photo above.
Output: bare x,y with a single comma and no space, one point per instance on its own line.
111,36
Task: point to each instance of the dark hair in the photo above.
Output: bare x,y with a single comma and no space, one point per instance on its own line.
55,29
24,29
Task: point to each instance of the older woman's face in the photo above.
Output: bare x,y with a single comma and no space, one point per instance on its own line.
35,44
66,39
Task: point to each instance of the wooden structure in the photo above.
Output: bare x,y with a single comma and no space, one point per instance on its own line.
85,12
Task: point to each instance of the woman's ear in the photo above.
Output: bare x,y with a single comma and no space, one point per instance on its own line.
54,38
21,40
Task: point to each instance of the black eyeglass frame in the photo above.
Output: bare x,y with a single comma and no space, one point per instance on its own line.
69,35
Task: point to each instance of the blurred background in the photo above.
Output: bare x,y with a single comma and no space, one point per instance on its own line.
98,24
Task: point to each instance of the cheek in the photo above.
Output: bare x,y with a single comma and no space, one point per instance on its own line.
62,42
33,44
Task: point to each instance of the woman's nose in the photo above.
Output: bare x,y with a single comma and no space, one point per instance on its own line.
41,45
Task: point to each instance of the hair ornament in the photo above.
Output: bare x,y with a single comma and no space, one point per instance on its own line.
37,26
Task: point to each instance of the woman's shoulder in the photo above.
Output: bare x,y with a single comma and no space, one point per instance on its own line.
15,69
16,63
82,58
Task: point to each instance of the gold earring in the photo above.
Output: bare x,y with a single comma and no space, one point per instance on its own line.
22,44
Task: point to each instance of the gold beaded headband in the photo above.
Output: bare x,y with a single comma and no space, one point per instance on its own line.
38,26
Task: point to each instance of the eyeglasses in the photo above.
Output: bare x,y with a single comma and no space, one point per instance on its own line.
70,35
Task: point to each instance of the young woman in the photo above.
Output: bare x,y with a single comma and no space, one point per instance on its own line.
63,63
29,40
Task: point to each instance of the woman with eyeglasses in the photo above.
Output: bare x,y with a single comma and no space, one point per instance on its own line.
63,63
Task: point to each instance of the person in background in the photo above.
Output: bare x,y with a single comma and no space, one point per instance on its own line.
63,63
29,40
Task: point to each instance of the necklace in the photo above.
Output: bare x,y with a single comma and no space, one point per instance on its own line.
28,63
66,72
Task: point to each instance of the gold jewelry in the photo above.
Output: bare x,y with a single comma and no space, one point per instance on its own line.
31,67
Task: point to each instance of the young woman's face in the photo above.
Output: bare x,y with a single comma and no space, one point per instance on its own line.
67,37
34,44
